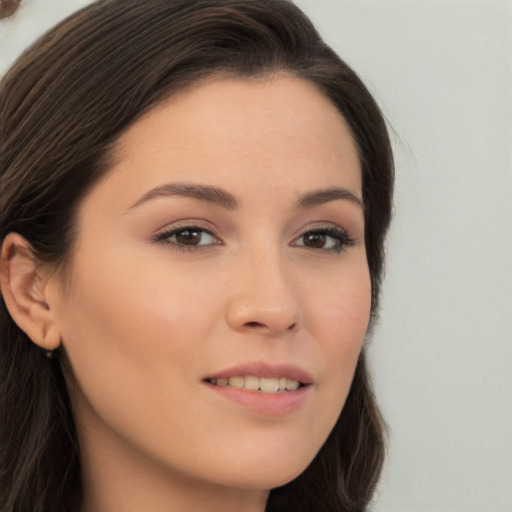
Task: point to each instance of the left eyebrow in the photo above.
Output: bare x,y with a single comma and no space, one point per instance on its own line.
318,197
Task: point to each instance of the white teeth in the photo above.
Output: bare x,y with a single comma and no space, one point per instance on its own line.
291,385
252,382
236,382
269,385
263,384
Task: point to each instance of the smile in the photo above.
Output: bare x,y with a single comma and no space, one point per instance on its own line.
262,384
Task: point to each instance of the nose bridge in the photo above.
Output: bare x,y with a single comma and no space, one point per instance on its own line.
263,295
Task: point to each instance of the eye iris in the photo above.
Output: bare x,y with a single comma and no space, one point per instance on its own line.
315,240
188,237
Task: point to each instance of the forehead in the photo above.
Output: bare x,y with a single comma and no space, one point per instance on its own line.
281,130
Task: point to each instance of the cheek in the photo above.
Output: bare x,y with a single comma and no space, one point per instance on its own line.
339,326
122,302
134,341
342,311
349,315
131,330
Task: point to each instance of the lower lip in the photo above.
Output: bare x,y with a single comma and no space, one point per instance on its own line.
266,404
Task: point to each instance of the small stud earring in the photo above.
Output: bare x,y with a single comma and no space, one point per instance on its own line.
50,354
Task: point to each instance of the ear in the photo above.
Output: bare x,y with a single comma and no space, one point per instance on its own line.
24,282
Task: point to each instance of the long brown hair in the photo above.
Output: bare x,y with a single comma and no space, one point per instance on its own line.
63,105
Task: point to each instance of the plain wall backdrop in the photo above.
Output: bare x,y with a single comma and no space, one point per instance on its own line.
442,353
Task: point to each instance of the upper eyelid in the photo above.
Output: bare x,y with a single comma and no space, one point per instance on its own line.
177,229
327,226
322,227
162,237
329,231
184,224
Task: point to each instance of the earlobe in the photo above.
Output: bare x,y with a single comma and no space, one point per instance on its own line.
23,284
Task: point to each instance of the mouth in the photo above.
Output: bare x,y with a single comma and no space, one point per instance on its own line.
260,384
262,378
263,389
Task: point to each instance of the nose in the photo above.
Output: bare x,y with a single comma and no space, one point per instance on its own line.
263,298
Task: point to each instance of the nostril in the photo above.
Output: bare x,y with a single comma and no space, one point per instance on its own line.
259,325
254,324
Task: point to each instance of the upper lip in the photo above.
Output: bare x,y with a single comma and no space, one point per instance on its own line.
261,369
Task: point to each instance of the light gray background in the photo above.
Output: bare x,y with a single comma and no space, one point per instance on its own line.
442,355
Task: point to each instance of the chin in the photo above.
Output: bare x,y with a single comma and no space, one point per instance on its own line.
264,475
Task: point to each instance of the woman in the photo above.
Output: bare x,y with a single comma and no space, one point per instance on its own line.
194,200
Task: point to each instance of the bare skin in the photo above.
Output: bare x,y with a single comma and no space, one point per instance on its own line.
208,246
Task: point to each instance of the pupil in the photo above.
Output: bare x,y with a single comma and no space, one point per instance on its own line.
316,240
188,237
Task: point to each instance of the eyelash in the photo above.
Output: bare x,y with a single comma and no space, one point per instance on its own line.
341,237
164,238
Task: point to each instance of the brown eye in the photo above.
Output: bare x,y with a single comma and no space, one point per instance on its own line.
8,7
189,236
315,240
327,239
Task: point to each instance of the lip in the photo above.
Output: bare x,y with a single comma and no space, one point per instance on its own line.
264,404
261,369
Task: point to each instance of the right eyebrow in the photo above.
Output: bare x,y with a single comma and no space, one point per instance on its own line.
205,193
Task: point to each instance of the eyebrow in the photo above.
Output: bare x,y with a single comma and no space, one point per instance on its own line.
318,197
225,199
205,193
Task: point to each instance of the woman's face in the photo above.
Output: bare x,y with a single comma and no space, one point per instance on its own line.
227,241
